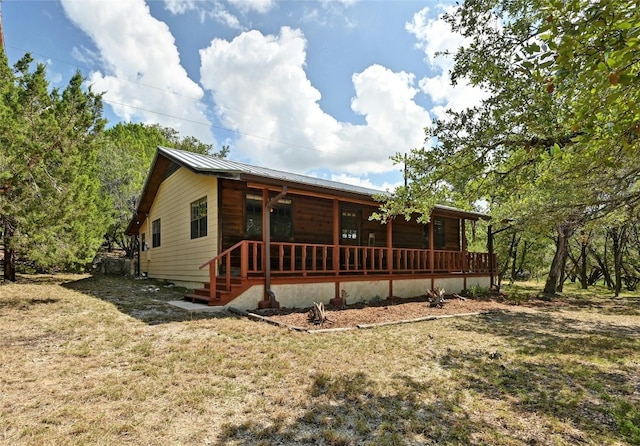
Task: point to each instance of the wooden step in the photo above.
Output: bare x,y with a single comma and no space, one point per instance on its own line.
222,295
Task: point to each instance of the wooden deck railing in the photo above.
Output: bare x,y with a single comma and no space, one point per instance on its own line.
245,259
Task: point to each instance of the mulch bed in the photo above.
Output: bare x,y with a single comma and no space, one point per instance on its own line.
381,312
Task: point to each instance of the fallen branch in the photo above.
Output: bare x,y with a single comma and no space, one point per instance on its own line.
436,297
318,315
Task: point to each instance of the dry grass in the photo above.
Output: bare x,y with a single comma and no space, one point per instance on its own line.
105,361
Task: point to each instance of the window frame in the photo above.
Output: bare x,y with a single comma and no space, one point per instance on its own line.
156,228
281,216
198,221
253,215
439,234
350,225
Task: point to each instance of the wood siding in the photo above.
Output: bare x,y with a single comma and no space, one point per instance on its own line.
178,256
313,221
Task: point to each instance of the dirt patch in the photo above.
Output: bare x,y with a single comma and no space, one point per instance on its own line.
386,311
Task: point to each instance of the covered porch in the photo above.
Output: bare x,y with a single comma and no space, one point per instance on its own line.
249,263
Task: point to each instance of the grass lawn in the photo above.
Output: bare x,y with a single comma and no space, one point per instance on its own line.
100,360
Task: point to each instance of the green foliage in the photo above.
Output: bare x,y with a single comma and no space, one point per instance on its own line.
126,156
52,209
478,291
556,142
628,418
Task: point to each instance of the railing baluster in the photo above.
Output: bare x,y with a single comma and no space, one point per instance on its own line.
228,271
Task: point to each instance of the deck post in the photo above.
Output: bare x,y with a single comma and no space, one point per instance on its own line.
212,280
244,260
337,300
465,254
269,297
390,245
491,263
431,247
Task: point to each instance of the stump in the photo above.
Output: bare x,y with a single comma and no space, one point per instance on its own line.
318,315
436,297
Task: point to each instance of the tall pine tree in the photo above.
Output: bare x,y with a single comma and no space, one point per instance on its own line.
52,209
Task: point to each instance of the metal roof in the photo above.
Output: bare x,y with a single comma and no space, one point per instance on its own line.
212,165
223,167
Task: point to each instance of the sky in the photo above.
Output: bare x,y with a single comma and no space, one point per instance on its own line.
330,89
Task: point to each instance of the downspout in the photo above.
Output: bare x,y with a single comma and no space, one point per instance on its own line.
270,295
138,242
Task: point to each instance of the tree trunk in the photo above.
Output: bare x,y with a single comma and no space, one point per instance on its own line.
563,264
618,241
584,282
9,254
523,256
513,254
557,265
603,268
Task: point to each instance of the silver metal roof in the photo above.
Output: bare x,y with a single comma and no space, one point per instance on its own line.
210,164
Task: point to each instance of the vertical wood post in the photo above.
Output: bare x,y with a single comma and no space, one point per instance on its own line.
336,237
431,247
491,258
244,259
212,280
390,245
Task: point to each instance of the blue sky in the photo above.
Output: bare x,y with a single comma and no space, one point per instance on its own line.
329,88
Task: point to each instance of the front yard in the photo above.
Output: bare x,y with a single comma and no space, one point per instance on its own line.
104,360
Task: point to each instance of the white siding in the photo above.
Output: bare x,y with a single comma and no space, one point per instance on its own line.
178,257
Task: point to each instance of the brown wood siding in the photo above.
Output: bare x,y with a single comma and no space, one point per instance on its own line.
378,230
407,234
231,212
451,233
313,221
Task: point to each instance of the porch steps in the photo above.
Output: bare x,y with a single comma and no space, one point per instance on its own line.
222,295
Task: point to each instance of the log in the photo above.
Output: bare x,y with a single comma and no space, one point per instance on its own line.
318,315
436,297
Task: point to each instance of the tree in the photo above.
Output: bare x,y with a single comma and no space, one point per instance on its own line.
527,150
51,208
126,156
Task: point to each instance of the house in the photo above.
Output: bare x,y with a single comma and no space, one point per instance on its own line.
250,237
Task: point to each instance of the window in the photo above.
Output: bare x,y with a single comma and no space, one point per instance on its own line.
349,225
438,234
143,242
253,215
439,241
426,229
155,233
281,217
199,218
282,220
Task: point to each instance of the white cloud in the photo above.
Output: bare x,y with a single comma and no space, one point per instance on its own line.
205,9
262,90
180,6
142,71
435,35
223,16
261,6
363,182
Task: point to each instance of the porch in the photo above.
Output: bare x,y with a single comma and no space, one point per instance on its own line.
248,263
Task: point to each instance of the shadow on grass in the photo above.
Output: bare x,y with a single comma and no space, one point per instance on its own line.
24,304
564,369
143,299
349,410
